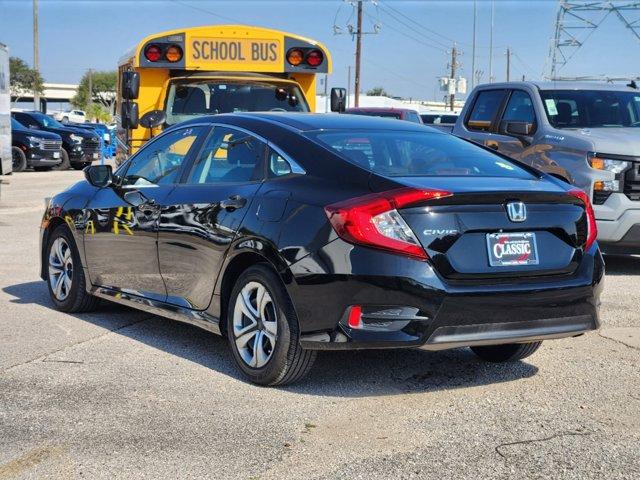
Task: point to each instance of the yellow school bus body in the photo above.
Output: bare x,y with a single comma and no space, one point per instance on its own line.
224,53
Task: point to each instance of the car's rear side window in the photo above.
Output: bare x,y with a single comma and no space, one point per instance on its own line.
485,109
401,153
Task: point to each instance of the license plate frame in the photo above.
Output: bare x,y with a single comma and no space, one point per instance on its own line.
96,156
517,254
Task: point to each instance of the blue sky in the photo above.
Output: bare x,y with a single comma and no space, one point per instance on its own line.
403,57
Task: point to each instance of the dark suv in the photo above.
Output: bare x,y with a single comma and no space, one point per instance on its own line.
34,148
79,146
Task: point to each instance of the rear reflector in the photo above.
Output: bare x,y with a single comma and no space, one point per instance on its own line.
355,317
592,232
373,220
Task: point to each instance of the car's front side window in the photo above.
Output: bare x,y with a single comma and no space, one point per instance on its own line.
160,161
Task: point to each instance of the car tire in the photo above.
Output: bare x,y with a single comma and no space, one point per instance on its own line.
253,328
506,353
64,164
64,273
18,160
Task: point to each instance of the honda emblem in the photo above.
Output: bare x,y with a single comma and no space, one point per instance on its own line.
517,211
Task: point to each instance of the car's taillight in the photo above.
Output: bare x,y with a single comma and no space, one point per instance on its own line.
592,232
373,220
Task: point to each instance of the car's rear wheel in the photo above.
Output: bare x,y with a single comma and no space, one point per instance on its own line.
18,160
506,353
65,277
262,329
65,163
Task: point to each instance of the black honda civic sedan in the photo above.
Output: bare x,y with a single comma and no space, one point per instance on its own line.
293,233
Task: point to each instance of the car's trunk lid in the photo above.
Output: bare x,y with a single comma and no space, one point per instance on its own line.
460,232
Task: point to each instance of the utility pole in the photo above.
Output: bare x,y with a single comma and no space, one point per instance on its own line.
454,66
348,84
358,54
491,45
473,52
508,63
36,52
326,96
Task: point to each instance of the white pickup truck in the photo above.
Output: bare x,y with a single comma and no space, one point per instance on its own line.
73,116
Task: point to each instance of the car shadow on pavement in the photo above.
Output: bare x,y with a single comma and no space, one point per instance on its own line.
340,374
622,264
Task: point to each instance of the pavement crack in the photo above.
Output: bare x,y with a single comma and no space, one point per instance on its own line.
536,440
617,341
80,342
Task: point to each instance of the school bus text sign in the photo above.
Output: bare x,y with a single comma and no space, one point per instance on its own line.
234,51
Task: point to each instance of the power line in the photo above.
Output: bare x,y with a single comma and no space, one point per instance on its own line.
413,29
421,42
204,10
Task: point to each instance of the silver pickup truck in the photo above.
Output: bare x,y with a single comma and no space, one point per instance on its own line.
587,134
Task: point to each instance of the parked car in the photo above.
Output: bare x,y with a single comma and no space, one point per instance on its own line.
292,233
70,116
397,113
584,133
104,132
34,148
79,146
444,121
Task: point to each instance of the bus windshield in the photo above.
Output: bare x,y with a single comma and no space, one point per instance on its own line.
188,99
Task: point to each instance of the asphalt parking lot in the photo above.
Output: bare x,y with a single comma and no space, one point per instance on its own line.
124,394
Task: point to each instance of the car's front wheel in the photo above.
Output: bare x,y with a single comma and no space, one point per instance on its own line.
18,159
64,161
506,353
65,277
262,329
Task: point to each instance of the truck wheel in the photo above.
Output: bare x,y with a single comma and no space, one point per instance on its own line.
64,164
19,159
510,352
262,330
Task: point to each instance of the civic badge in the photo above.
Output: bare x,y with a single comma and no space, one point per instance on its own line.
517,211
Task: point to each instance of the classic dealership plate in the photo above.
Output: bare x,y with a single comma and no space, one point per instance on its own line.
508,249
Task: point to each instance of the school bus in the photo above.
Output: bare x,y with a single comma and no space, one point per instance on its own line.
173,76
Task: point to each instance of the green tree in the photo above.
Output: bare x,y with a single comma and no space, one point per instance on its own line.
103,90
377,92
99,113
23,80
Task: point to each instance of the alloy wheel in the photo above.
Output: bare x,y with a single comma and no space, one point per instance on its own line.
255,325
60,268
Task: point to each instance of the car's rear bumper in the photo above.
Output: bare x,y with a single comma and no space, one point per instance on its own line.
423,311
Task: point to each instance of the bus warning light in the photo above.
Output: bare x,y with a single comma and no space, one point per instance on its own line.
314,58
152,53
173,54
295,56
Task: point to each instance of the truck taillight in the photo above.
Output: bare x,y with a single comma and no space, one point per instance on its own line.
373,220
592,231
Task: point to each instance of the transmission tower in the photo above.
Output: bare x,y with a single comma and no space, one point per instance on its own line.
577,21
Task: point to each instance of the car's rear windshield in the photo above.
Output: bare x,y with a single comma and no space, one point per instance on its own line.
591,108
404,153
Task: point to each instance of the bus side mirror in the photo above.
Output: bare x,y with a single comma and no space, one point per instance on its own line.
129,115
130,85
338,100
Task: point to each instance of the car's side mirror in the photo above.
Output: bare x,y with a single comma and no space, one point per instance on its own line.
519,128
153,119
338,100
129,115
130,85
99,175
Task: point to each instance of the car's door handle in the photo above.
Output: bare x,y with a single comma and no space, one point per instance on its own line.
233,203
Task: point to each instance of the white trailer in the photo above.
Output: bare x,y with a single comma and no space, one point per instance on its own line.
5,112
